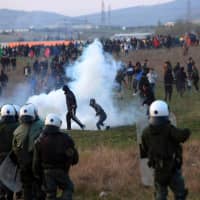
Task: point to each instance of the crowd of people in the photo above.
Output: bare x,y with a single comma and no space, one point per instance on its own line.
44,154
138,76
151,42
45,70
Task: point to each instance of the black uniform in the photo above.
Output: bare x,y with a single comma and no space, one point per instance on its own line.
71,106
162,146
54,153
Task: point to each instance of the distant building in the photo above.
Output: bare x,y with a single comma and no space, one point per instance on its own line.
82,26
169,24
17,30
131,35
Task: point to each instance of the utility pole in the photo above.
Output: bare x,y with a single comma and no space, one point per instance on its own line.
109,15
103,16
189,18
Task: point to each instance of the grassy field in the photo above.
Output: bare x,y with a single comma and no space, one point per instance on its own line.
109,161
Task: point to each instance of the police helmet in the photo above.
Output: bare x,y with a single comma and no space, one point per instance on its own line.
159,113
92,101
7,111
28,113
17,109
53,120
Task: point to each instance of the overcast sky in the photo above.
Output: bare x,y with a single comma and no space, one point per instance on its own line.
73,7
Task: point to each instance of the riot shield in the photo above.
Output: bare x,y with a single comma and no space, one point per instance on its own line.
145,172
172,118
9,175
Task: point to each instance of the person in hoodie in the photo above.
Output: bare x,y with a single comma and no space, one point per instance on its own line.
71,106
100,113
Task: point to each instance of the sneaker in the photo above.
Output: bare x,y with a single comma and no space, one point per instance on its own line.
107,128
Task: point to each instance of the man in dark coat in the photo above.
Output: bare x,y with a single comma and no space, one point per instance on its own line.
71,106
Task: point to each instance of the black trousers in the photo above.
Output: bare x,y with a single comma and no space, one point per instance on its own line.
71,115
101,120
168,92
57,178
31,187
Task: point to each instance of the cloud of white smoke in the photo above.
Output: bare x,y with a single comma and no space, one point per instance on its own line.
94,74
18,96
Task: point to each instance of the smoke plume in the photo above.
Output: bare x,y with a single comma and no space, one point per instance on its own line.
93,74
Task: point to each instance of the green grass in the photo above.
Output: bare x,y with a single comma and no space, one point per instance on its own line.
123,139
186,109
187,113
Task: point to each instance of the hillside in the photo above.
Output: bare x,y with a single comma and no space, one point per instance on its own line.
133,16
149,15
22,19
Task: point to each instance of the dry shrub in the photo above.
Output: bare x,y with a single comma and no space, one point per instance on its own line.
191,166
107,169
117,171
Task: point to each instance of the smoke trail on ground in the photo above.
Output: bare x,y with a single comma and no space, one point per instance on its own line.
93,74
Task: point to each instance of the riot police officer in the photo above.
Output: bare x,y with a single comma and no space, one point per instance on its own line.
7,126
161,144
54,153
23,141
